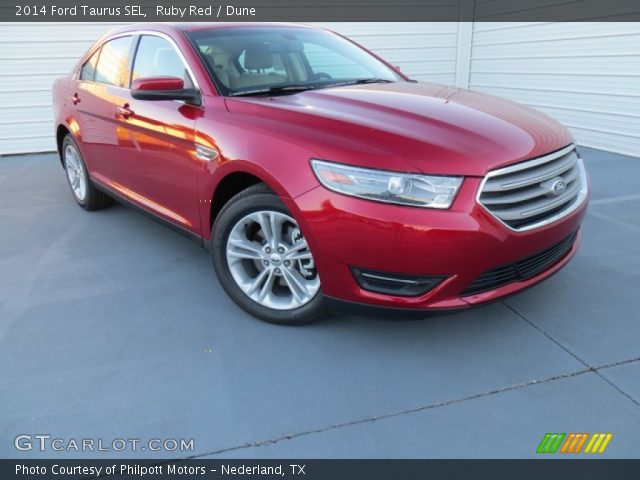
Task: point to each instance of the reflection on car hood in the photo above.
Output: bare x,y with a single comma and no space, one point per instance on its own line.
432,128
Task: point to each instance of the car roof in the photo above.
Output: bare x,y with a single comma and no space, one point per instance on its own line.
193,27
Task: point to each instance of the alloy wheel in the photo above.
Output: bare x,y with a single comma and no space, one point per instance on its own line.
270,260
75,172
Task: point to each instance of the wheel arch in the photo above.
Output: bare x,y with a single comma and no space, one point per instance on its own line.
61,132
228,186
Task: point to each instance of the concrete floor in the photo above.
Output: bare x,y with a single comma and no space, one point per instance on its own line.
113,326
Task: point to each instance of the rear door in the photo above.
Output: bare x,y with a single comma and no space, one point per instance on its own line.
102,83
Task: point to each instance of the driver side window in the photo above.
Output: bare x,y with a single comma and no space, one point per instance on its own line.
156,57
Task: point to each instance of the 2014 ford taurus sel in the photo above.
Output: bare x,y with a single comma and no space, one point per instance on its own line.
317,173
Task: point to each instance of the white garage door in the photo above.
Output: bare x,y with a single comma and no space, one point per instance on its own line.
32,55
586,75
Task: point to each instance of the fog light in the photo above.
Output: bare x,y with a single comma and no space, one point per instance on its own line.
395,284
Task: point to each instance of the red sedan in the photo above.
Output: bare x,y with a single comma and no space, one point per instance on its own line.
317,174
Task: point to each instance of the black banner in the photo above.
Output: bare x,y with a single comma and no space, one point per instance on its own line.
322,469
317,10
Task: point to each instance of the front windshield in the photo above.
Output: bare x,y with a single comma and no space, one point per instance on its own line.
266,59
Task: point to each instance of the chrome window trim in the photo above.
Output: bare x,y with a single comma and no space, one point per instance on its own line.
582,193
134,34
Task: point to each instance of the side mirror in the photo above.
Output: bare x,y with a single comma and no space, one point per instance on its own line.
163,88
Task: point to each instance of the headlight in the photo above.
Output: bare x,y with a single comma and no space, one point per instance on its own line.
388,187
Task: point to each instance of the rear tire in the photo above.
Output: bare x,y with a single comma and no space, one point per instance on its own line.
262,260
84,191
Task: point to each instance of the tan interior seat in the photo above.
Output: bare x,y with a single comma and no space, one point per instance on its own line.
219,65
258,58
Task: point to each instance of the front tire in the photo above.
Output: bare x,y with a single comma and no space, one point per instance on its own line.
83,190
263,261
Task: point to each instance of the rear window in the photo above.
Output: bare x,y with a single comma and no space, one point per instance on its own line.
113,63
88,71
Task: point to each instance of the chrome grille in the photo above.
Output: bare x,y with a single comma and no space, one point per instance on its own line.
536,192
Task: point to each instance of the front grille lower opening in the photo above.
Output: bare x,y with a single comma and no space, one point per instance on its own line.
520,270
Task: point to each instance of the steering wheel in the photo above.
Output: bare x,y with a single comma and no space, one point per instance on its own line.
320,76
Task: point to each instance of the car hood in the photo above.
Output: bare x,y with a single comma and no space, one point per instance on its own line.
411,126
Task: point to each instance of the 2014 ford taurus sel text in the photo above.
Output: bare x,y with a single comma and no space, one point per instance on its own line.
317,174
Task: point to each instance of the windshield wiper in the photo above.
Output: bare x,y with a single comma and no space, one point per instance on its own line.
360,81
297,87
293,88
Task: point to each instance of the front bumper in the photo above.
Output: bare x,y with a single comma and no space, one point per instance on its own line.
460,243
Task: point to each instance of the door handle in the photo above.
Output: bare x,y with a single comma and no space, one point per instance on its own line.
125,111
75,99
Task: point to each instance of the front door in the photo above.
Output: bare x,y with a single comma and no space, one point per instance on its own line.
157,140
